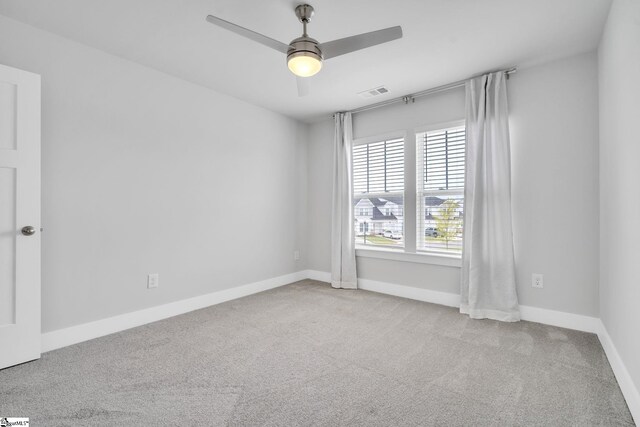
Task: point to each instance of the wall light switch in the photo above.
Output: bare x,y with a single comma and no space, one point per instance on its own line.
296,255
537,281
153,280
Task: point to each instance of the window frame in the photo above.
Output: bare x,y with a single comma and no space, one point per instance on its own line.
381,138
409,252
426,129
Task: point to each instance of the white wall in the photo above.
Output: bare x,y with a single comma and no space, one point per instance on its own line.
554,134
554,130
143,172
619,73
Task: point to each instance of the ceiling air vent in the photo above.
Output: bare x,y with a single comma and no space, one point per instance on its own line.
373,92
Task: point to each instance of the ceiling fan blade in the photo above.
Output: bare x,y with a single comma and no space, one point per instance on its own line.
303,86
256,37
361,41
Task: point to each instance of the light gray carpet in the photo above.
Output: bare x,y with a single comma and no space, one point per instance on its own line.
306,354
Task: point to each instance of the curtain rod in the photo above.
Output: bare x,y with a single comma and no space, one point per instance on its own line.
410,98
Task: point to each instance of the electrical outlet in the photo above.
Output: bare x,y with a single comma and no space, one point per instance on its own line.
296,255
537,280
153,280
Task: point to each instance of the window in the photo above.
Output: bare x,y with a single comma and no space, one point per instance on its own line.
440,156
434,234
378,183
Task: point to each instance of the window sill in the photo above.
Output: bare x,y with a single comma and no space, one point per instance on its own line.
419,258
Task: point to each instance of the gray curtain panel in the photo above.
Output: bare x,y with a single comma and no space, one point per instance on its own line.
488,288
343,247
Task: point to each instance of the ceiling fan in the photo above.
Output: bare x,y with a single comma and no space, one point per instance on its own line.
305,54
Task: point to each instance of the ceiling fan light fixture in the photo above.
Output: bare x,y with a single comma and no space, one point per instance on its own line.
304,64
305,54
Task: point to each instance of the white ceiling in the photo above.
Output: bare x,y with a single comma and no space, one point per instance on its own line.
444,41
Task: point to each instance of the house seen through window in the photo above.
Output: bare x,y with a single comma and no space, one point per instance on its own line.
378,183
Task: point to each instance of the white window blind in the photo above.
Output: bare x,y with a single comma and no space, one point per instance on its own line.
440,189
378,182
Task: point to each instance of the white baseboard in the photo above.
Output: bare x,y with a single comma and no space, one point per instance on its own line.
320,276
561,319
426,295
629,389
75,334
532,314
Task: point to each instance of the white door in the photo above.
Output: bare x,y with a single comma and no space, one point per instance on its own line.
19,216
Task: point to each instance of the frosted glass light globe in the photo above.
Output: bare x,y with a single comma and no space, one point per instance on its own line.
304,64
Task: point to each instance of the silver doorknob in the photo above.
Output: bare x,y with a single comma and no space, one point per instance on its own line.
28,230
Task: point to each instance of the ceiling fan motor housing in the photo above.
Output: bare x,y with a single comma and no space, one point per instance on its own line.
304,46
